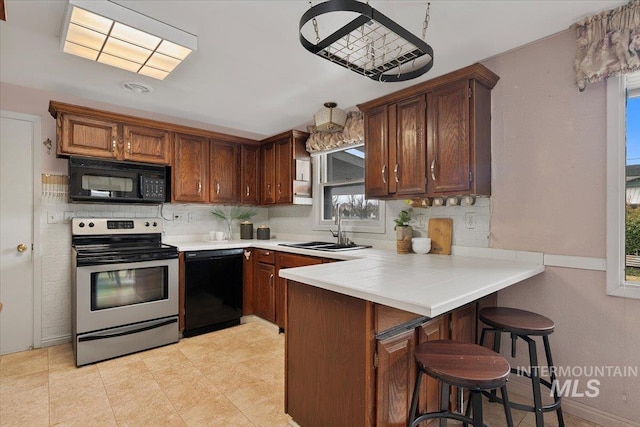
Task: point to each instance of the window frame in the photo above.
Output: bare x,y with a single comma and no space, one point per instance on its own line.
319,182
617,285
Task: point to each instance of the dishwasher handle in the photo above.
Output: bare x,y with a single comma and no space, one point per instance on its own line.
212,254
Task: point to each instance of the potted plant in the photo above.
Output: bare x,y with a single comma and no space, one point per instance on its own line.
229,214
404,232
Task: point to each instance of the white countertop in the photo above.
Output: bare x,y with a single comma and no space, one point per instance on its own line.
428,285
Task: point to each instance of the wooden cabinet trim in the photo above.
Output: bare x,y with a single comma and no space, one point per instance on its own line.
476,71
56,108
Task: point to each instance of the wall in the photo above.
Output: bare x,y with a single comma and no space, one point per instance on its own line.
549,195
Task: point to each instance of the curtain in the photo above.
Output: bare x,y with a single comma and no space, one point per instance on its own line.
608,44
352,134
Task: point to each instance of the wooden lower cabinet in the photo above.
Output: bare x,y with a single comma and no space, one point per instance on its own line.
287,260
264,283
338,373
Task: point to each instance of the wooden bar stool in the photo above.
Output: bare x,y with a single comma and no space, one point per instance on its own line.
525,324
464,365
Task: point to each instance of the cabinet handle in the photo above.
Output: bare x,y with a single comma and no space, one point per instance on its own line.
433,169
395,172
271,280
129,145
113,145
217,188
199,187
279,188
266,253
247,191
384,173
269,189
247,255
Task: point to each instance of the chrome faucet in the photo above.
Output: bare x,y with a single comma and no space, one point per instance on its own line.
342,239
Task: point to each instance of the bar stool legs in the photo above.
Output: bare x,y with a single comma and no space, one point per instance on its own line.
522,324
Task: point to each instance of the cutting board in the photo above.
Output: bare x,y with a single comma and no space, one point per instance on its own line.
440,230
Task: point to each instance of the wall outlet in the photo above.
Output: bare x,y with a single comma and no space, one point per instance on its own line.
54,217
470,220
179,218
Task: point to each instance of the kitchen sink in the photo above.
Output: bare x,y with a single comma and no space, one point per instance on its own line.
325,246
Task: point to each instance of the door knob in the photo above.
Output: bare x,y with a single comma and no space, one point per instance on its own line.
21,247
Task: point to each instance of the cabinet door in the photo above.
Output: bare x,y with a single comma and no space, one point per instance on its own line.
429,400
149,145
449,142
376,182
284,170
409,169
286,260
248,295
395,378
86,136
250,159
268,160
224,172
264,304
190,169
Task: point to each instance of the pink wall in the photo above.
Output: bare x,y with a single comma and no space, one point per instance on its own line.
549,195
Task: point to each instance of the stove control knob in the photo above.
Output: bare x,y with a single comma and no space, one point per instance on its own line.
81,225
91,224
155,224
146,224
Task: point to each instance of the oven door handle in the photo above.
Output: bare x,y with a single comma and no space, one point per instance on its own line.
106,335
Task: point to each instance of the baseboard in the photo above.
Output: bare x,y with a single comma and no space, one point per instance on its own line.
522,387
49,342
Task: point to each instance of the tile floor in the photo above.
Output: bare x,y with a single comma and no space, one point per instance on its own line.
233,377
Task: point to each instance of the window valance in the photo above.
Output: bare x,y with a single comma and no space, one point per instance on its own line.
352,134
608,44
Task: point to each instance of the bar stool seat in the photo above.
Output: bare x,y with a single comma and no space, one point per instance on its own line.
462,365
524,324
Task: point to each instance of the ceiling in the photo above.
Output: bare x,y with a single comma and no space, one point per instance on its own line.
250,76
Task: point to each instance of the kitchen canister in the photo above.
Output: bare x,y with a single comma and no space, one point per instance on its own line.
246,230
264,233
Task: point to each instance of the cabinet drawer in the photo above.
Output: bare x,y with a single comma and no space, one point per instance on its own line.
265,256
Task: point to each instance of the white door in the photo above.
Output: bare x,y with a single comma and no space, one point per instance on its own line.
17,134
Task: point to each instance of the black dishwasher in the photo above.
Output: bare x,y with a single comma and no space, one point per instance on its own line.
213,290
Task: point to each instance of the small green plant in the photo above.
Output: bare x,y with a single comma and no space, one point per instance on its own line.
404,217
229,214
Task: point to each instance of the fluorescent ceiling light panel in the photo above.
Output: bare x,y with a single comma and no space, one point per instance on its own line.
108,33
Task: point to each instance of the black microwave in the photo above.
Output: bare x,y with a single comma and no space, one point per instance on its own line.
108,181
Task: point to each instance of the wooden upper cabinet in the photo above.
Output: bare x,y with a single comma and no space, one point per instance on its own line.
284,170
449,143
144,144
437,137
250,174
224,172
278,157
87,136
190,175
376,153
268,160
410,147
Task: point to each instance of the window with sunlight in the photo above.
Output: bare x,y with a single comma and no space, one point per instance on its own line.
340,182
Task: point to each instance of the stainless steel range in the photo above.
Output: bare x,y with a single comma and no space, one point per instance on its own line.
124,287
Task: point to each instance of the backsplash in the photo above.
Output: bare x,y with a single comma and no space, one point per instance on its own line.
196,219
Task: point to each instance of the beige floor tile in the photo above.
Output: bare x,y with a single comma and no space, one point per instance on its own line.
266,367
173,375
215,412
80,406
270,414
25,408
17,384
247,394
24,363
114,373
155,411
159,358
